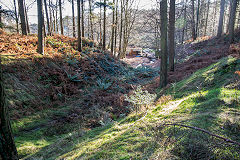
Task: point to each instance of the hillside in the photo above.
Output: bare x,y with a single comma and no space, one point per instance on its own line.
54,94
209,99
71,105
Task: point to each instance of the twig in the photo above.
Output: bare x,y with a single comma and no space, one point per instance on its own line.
202,130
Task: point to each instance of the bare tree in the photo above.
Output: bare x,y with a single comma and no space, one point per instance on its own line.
82,6
104,25
220,23
73,19
40,27
78,26
113,27
47,17
171,35
16,14
232,20
164,50
90,18
193,22
61,19
22,17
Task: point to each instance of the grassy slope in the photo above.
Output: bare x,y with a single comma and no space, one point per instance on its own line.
208,99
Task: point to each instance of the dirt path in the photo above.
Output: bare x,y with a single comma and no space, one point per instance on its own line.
141,61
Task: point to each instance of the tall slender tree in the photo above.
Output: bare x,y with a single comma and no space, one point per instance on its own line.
79,26
40,27
164,50
121,30
197,22
116,25
82,7
26,16
47,17
90,17
193,21
61,19
206,20
171,35
113,27
73,19
220,23
16,14
22,17
104,25
232,20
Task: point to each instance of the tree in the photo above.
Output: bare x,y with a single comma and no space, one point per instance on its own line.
185,21
78,26
47,17
61,19
8,149
197,23
113,27
22,17
104,25
193,22
164,50
121,30
116,24
171,35
26,16
73,19
82,6
16,15
90,17
40,27
206,21
232,20
220,23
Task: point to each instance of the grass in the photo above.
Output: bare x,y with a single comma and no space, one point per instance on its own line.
208,101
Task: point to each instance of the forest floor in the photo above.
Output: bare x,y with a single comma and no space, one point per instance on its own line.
67,104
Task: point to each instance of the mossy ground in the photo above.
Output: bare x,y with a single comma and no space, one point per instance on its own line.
209,99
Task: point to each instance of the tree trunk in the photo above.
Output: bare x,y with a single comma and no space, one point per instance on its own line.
164,50
22,17
47,17
82,6
61,19
113,27
16,15
56,18
50,17
171,35
40,27
27,24
220,23
232,20
121,30
116,24
54,21
73,19
91,22
8,149
125,31
193,22
104,25
197,23
78,26
100,23
185,22
206,21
